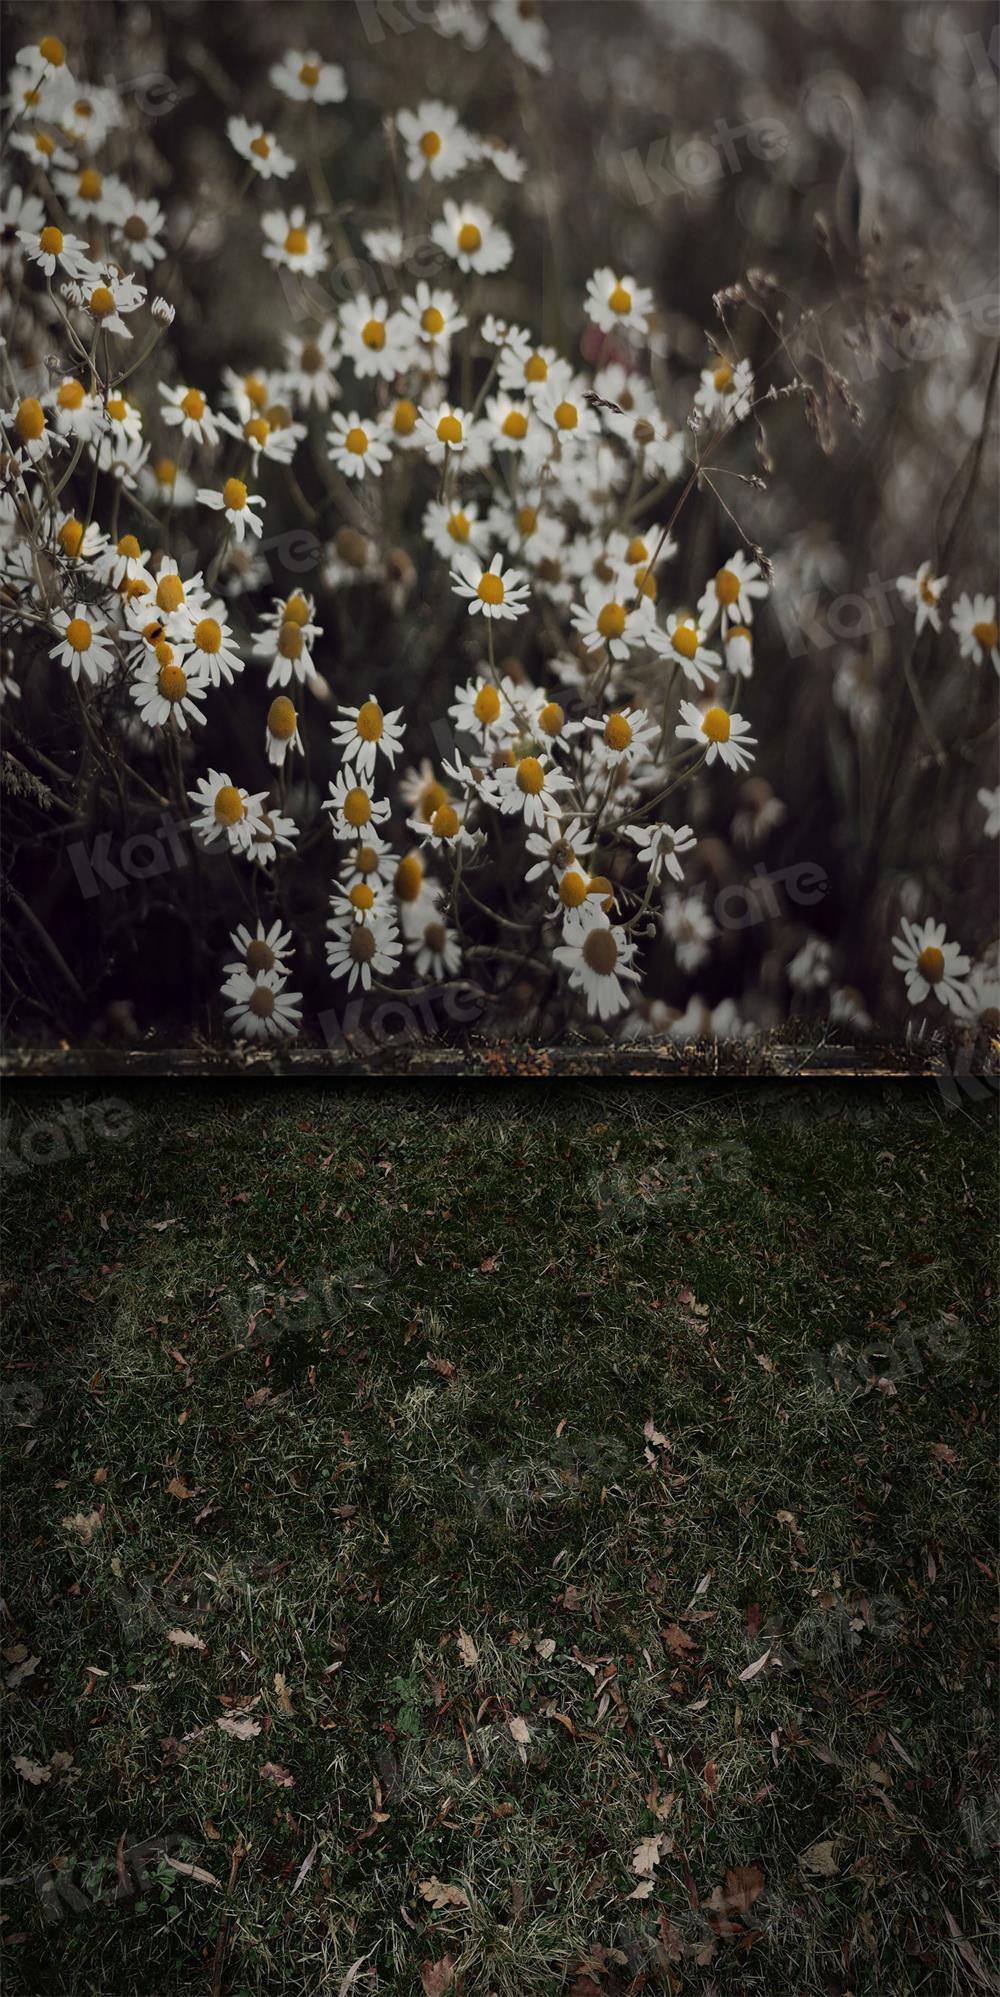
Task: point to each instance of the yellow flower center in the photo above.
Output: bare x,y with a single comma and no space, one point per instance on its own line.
78,634
431,799
572,889
296,609
986,635
600,952
361,948
444,823
617,732
530,776
171,681
930,963
165,471
282,718
169,593
30,419
404,419
357,807
373,335
102,301
134,587
261,147
117,408
515,424
259,956
90,184
928,591
409,878
611,620
620,299
297,242
458,526
193,404
71,536
370,722
44,145
290,640
129,548
72,395
489,588
257,431
552,719
526,519
279,416
738,631
646,583
51,50
356,441
255,390
567,415
430,144
362,896
727,586
309,74
470,238
234,495
715,724
486,706
685,641
207,635
536,368
51,241
432,320
449,430
636,551
722,377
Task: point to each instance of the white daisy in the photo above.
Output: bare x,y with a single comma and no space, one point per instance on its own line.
990,801
49,248
163,691
431,319
484,711
353,806
269,830
356,447
83,646
264,950
213,651
612,302
29,423
524,367
366,730
105,294
469,235
597,958
260,149
660,847
358,951
450,526
923,592
974,622
727,735
138,224
307,79
732,592
524,29
497,592
262,1009
726,389
292,242
690,928
625,736
433,946
436,142
226,811
685,644
610,617
310,363
448,432
529,788
281,733
236,503
738,641
931,964
373,339
19,211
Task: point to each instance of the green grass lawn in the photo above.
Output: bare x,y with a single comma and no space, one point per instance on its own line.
513,1541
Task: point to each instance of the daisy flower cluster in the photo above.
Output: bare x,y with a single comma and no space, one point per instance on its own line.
504,506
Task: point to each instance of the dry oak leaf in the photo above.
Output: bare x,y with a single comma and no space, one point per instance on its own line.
439,1976
821,1858
240,1729
184,1640
85,1525
520,1731
647,1855
179,1487
31,1771
439,1895
469,1655
21,1670
677,1639
273,1771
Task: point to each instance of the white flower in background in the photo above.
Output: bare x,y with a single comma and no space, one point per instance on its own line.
226,811
612,302
188,407
164,483
738,641
847,1008
690,928
484,711
269,830
236,503
469,235
524,368
509,164
83,646
597,958
51,250
105,295
974,622
660,847
732,592
449,527
685,643
19,211
139,225
356,447
726,389
76,413
990,801
809,969
85,194
496,592
293,242
309,370
42,148
359,951
260,149
562,405
923,592
609,617
374,340
262,1009
307,79
281,733
931,964
431,319
523,27
164,692
726,735
436,141
433,946
366,731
